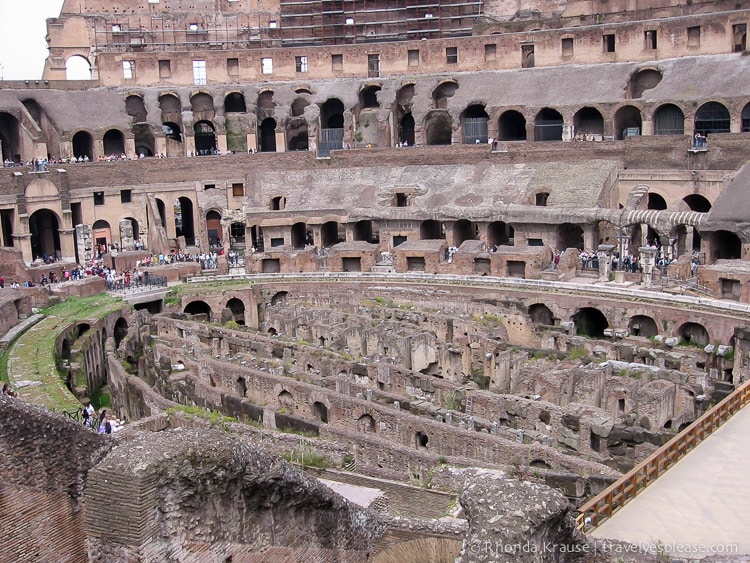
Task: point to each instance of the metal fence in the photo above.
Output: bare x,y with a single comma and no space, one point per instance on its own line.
134,285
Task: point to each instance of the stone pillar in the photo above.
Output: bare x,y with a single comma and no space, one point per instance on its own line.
85,243
604,252
648,259
67,245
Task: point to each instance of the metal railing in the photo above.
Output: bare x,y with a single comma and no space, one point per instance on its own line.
610,500
148,282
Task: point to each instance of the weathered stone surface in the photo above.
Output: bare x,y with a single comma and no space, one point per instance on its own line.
517,521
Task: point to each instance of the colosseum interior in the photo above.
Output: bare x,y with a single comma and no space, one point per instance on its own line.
383,282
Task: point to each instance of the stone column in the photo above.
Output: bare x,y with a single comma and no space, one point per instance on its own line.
648,259
604,252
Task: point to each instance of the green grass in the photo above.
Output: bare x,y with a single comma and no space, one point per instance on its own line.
307,458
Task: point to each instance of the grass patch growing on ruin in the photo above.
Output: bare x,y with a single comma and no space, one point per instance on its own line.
307,458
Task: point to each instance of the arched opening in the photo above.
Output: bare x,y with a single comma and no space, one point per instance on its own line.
628,122
329,234
697,202
279,299
588,121
590,322
363,231
83,145
136,109
199,309
725,245
162,209
320,411
368,97
240,387
120,331
406,129
421,440
102,234
643,80
431,230
9,139
299,235
171,109
205,138
267,140
238,310
298,107
172,131
365,423
712,117
286,400
541,315
77,68
144,139
464,230
746,119
234,102
669,120
45,237
656,201
499,233
184,220
693,334
548,125
331,127
511,126
213,227
443,93
569,236
438,129
134,233
296,135
642,325
474,125
114,142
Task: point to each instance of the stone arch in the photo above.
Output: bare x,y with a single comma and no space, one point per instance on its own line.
171,109
83,144
267,135
464,230
697,202
237,307
44,227
500,233
588,121
642,325
9,137
421,440
590,321
669,120
569,235
443,92
172,131
656,201
712,117
331,132
320,411
205,138
300,235
724,245
329,234
642,80
365,424
265,104
541,315
403,115
120,331
234,102
135,107
162,209
135,233
298,106
285,400
548,125
77,67
745,117
297,135
184,220
202,105
511,126
627,119
368,96
113,142
693,334
474,121
213,227
438,128
144,139
279,299
198,308
431,229
101,232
